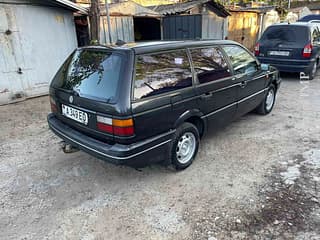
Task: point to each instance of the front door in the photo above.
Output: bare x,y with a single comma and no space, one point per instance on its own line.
248,75
215,88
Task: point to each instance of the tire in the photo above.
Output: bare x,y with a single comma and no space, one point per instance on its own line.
313,71
267,104
185,145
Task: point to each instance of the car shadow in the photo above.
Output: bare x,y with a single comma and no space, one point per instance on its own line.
289,76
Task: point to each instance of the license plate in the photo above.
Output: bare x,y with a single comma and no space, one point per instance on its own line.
75,114
279,53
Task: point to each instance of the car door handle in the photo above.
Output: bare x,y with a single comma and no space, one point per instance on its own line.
238,76
176,98
243,84
207,95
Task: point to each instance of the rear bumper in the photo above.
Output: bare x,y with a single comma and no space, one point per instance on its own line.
141,153
289,65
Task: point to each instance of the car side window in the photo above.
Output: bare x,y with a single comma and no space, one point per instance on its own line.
241,60
161,73
209,64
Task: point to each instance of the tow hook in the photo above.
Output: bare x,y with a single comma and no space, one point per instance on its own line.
68,148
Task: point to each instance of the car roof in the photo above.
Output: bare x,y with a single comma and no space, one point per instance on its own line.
293,24
156,46
309,18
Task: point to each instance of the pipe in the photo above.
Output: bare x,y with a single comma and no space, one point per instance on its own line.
108,20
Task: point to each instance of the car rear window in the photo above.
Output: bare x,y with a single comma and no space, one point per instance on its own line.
92,74
287,33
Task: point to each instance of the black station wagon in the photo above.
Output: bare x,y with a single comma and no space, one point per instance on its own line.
141,103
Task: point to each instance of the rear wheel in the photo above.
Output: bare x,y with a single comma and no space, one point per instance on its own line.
313,71
267,104
185,145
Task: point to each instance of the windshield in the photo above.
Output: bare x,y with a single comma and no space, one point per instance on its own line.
286,33
90,73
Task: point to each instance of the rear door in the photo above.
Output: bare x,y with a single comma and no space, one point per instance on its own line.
284,41
215,88
162,91
250,78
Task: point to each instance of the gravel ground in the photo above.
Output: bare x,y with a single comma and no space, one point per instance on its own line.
258,178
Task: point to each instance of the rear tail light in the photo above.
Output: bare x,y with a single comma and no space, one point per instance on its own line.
307,50
119,127
257,49
53,105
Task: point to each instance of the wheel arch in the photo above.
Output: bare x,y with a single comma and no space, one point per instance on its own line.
193,116
276,84
275,81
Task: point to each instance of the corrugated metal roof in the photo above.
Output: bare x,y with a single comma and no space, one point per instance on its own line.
70,5
179,8
315,6
66,4
128,9
262,9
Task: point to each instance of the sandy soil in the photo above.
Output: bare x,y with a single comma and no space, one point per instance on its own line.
256,179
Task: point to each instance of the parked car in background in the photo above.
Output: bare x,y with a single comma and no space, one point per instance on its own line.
293,47
150,102
310,18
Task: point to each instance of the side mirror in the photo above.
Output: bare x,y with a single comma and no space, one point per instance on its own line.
265,67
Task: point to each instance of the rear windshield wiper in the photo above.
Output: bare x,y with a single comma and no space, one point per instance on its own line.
75,92
71,91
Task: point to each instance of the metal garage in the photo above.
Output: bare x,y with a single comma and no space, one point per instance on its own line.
35,38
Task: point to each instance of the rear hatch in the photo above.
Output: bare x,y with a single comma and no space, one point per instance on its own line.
284,41
89,93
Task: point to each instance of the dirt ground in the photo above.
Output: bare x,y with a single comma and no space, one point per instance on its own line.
259,178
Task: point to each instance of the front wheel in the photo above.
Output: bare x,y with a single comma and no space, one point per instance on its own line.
185,145
267,104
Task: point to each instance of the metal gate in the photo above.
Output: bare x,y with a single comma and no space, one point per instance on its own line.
182,27
243,28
